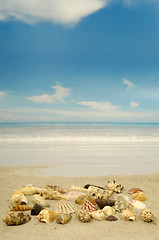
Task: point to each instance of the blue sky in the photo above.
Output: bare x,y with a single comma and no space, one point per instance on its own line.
68,60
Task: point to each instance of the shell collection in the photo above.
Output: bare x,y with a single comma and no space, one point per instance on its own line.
88,202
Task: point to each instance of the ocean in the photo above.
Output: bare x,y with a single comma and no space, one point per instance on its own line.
81,149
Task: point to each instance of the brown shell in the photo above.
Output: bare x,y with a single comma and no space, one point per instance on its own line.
36,209
83,216
139,196
79,200
63,218
20,208
47,216
135,190
104,202
111,218
16,218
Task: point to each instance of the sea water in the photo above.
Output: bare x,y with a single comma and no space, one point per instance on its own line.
81,149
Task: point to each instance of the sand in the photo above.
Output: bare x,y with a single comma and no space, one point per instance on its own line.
13,177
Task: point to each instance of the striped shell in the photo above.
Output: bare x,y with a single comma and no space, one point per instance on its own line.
88,206
139,196
18,198
16,218
146,215
47,216
64,206
128,215
20,208
83,216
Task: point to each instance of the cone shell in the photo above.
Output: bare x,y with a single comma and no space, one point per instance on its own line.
114,186
63,218
64,206
29,190
108,210
146,215
40,200
18,198
139,196
98,215
79,200
47,216
36,209
104,202
16,218
135,190
137,204
88,206
128,215
20,208
83,216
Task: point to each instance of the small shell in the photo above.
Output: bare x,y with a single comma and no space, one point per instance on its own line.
63,206
135,190
20,208
93,190
16,218
114,186
121,204
48,193
88,185
57,188
108,210
79,189
39,200
73,194
98,215
88,206
18,198
79,200
104,202
128,215
47,216
29,190
139,196
137,204
36,209
63,218
146,215
83,216
111,218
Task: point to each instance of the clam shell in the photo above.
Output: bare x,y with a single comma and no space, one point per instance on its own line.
111,218
88,206
36,209
29,190
104,202
79,200
137,204
20,208
108,210
16,218
128,215
63,218
98,215
47,216
139,196
64,206
135,190
83,216
146,215
18,198
40,200
114,186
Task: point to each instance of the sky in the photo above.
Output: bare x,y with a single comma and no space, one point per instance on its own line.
79,60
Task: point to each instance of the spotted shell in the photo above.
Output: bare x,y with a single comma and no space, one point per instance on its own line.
114,186
20,208
108,210
16,218
121,204
40,200
48,193
29,190
83,216
47,216
63,218
137,204
98,215
135,190
79,200
146,215
88,206
128,215
64,206
139,196
18,198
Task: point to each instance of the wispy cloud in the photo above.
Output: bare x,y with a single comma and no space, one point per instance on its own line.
102,106
60,94
128,83
2,94
134,104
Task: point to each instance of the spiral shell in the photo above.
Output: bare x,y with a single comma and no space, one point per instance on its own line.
128,215
114,186
83,216
47,216
40,200
29,190
20,208
146,215
18,198
16,218
139,196
108,210
98,215
63,218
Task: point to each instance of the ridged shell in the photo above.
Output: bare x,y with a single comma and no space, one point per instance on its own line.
16,218
47,216
135,190
18,198
104,202
114,186
40,200
63,218
57,188
146,215
88,206
29,190
79,200
48,193
20,208
108,210
139,196
64,206
128,215
98,215
36,209
121,204
73,194
79,189
83,216
137,204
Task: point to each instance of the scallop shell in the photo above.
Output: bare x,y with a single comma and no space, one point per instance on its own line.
114,186
73,194
63,218
98,215
40,200
18,198
29,190
137,204
63,206
121,204
16,218
79,200
79,189
48,193
135,190
111,218
146,215
104,202
88,206
139,196
83,216
128,215
36,209
57,188
108,210
20,208
47,216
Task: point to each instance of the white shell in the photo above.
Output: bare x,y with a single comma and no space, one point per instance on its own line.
98,215
18,198
137,204
39,200
108,210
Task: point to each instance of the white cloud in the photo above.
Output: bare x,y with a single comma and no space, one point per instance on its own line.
2,94
134,104
128,83
60,94
57,11
102,106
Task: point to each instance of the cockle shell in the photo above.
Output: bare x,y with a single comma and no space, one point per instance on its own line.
137,204
36,209
114,186
16,218
88,206
63,218
146,215
135,190
57,188
128,215
111,218
108,210
18,198
121,204
20,207
79,189
79,200
139,196
40,200
29,190
64,206
47,216
83,216
98,215
48,193
73,194
104,202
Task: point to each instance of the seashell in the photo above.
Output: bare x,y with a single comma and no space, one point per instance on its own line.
83,216
135,190
48,193
47,216
16,218
111,218
79,189
137,204
93,190
29,190
63,218
18,198
98,215
108,210
73,194
122,195
79,200
88,185
20,208
105,194
121,204
57,188
39,200
104,202
128,215
114,186
88,206
63,206
139,196
36,209
146,215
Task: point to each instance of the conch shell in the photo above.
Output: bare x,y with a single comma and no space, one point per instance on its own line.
29,190
40,200
47,216
114,186
48,193
64,206
146,215
16,218
63,218
128,215
83,216
18,198
108,210
139,196
98,215
20,208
